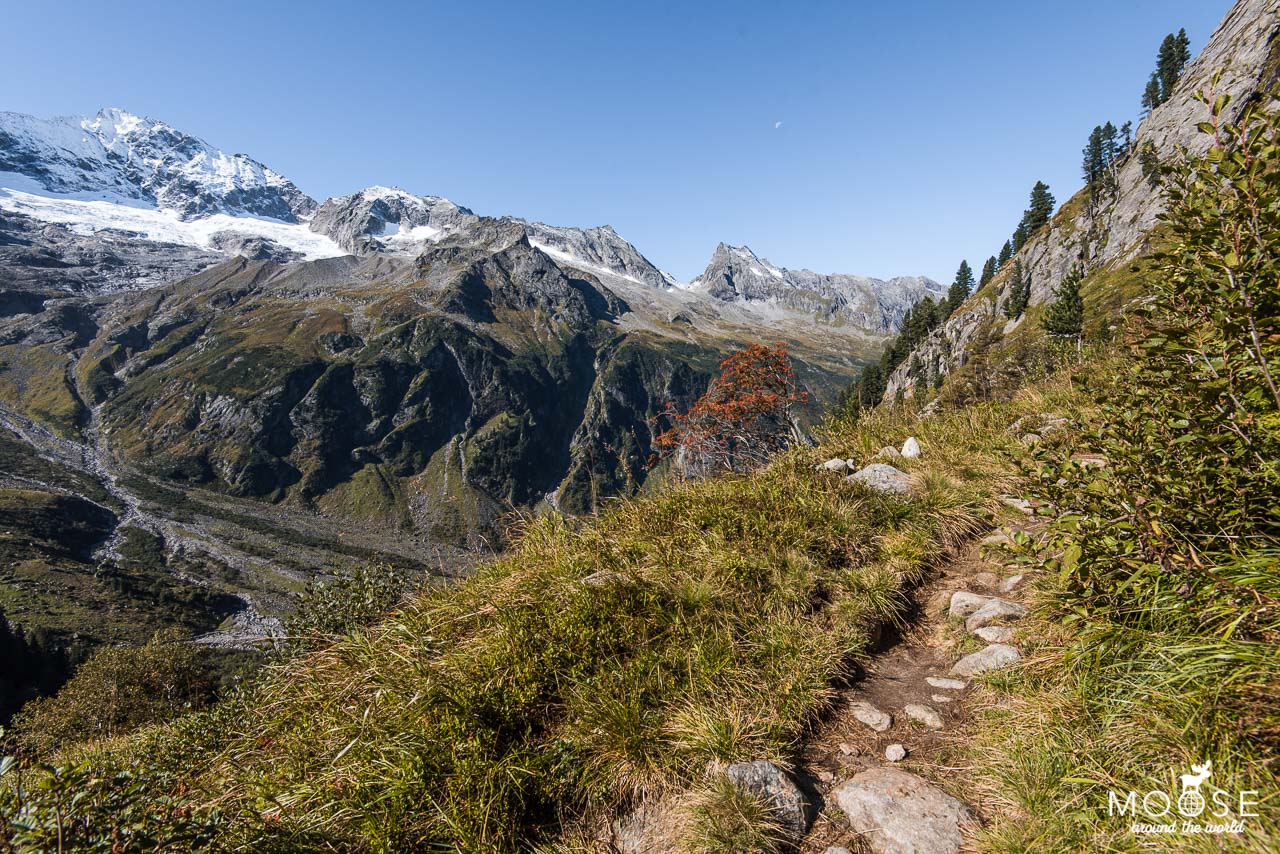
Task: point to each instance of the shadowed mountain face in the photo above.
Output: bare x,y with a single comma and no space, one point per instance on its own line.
240,388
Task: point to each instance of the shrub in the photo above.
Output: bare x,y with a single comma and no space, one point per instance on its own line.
746,416
117,689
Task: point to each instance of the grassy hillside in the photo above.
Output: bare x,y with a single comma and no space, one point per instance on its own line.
595,666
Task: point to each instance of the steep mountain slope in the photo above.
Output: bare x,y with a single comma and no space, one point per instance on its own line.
1107,238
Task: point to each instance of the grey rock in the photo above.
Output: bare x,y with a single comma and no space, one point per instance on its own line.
942,698
986,579
1022,505
834,465
964,603
924,714
898,813
1030,439
895,753
948,684
910,448
888,452
870,716
770,783
995,634
996,539
1011,583
995,610
882,478
994,657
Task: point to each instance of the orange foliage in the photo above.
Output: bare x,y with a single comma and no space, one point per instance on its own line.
746,416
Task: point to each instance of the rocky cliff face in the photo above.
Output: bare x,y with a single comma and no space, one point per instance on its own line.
736,274
383,219
1245,48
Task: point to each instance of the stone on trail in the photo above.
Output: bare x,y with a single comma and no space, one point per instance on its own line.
993,657
882,478
964,603
995,539
995,634
948,684
1010,584
899,813
834,465
771,784
941,698
895,753
871,716
924,714
911,448
1022,505
993,611
888,452
986,579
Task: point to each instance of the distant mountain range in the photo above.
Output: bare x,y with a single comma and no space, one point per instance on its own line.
229,388
116,172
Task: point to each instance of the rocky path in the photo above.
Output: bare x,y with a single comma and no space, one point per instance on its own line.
874,764
878,769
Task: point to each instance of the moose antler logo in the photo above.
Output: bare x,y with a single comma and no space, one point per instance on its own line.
1191,802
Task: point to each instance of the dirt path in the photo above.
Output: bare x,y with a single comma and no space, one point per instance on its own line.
911,668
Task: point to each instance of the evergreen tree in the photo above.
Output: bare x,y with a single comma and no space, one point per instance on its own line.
1042,203
1064,318
1171,61
1093,162
1019,292
1126,138
960,288
1006,252
988,272
1019,238
1151,94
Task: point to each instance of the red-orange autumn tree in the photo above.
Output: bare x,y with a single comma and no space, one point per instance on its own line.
746,416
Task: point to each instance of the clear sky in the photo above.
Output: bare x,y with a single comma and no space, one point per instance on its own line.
910,133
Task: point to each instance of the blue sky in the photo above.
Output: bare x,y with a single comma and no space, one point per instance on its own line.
911,132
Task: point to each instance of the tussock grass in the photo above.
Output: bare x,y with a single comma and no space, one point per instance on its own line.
597,665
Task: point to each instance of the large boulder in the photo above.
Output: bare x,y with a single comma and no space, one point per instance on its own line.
994,611
899,813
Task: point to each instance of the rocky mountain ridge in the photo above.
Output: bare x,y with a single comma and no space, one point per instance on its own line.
1244,53
118,176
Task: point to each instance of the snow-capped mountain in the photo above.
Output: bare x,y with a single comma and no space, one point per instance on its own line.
84,191
117,156
596,250
735,274
387,219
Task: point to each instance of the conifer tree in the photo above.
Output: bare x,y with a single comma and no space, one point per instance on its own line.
1041,209
1019,291
1151,94
1064,318
960,288
1006,252
1019,238
1126,138
988,272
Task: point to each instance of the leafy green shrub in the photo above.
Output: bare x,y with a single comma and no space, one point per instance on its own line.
117,689
76,807
345,604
